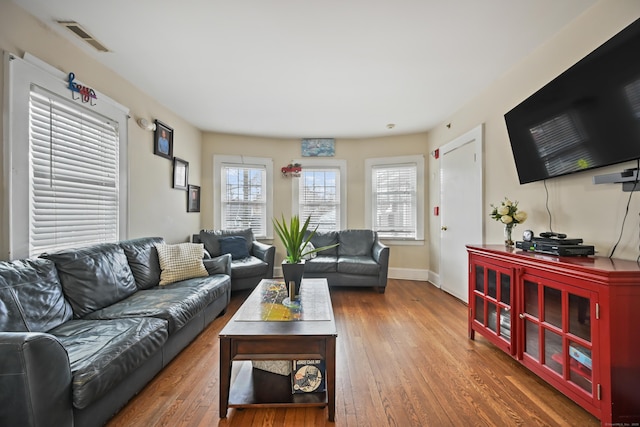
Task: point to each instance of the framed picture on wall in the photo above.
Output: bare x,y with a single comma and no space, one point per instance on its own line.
193,198
163,140
180,173
318,147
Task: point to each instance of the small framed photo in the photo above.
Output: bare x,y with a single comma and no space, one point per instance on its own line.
180,173
163,140
193,199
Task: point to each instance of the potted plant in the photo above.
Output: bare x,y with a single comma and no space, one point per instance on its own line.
293,238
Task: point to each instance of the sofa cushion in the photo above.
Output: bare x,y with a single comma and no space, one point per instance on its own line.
177,303
248,267
31,298
324,238
102,353
211,239
93,277
180,262
234,245
361,265
356,242
321,264
143,260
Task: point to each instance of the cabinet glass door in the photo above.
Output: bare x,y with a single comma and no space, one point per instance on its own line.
492,303
557,333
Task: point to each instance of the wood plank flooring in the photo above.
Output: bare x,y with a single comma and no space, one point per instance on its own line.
403,359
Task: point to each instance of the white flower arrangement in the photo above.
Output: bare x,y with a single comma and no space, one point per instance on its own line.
507,213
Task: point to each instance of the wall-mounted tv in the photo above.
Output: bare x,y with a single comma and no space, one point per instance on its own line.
587,117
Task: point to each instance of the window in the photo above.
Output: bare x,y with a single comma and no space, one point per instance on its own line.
320,193
74,175
244,194
67,186
395,197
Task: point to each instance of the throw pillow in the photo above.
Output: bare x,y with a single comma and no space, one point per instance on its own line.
234,245
218,265
306,248
180,262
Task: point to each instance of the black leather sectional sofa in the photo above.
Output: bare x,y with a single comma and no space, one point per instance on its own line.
83,330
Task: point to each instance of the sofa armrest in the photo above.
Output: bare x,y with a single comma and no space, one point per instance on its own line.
35,380
218,265
266,253
380,254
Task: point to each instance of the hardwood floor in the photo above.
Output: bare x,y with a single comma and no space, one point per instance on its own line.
403,359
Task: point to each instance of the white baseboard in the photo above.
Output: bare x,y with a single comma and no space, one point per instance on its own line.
409,274
434,278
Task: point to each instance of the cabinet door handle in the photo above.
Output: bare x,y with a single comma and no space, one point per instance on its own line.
521,315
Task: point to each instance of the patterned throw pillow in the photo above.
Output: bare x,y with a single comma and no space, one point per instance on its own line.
180,262
306,248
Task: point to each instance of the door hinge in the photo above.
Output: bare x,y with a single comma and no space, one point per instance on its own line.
597,310
599,392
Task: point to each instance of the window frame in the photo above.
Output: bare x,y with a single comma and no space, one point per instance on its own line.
20,75
219,162
339,164
418,161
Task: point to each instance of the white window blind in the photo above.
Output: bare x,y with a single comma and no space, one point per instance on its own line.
74,157
319,197
394,200
244,201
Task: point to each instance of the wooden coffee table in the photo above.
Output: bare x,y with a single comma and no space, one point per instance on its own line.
264,329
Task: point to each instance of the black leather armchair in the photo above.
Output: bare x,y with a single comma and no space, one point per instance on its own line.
250,264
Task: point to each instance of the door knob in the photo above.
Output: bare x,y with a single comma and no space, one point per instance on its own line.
443,228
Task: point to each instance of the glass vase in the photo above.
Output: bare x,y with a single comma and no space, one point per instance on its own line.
508,229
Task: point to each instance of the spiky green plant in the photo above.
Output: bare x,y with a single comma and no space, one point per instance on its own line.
292,236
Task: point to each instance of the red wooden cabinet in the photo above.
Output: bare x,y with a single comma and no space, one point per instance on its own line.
567,319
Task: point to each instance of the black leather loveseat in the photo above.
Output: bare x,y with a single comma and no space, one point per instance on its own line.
83,330
360,259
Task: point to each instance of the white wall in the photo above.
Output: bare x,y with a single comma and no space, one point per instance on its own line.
578,207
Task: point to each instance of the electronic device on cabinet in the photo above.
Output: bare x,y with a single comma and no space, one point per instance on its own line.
554,244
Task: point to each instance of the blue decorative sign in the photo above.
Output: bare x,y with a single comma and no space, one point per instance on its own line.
318,147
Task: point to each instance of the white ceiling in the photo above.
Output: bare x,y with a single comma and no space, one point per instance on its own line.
312,68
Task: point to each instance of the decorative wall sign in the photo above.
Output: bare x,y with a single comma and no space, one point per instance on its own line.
163,140
291,170
180,173
318,147
193,199
85,93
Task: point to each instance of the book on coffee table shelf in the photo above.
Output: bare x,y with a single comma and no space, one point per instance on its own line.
280,367
308,376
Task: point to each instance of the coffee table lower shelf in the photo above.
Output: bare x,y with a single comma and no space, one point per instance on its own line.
257,388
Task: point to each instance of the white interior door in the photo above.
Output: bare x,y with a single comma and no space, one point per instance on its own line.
460,208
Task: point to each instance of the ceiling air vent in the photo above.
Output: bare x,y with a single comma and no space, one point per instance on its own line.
76,29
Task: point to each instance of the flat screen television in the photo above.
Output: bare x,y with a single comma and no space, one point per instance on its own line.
587,117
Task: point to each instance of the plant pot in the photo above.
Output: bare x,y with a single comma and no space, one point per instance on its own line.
293,272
